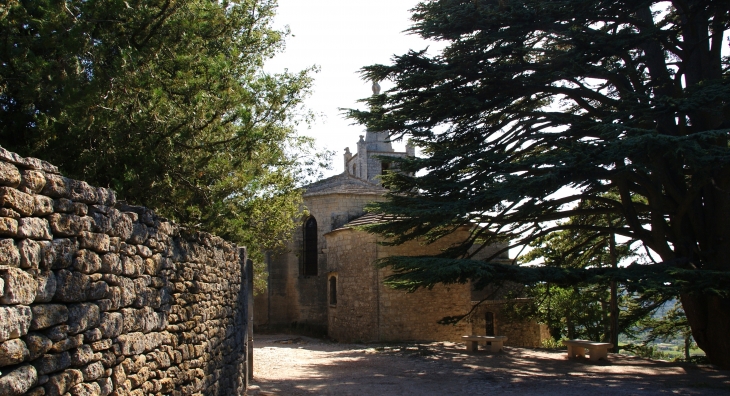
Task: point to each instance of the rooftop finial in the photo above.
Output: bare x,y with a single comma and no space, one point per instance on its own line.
376,88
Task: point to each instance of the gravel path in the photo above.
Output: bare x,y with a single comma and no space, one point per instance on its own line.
295,365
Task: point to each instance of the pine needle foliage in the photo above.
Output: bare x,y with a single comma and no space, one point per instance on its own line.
535,110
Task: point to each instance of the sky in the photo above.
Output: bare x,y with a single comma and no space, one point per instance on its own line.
340,37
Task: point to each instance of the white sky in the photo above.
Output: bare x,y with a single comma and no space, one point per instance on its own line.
342,36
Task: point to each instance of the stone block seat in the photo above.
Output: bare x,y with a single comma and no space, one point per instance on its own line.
596,350
493,343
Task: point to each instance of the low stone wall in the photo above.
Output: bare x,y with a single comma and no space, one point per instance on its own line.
520,333
101,298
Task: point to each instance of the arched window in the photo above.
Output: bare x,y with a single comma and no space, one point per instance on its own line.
333,290
310,247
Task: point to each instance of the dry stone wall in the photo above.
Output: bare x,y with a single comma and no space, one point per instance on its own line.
101,298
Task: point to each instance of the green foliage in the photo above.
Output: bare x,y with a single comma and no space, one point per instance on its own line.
672,325
535,110
166,102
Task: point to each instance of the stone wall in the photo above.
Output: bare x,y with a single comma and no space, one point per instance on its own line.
368,310
292,299
521,333
101,298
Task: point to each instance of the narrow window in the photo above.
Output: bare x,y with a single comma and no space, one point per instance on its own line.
489,323
385,167
333,290
310,247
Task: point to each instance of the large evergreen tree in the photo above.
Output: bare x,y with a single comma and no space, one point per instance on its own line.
537,106
164,101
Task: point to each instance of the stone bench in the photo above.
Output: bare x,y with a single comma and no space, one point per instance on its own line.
596,350
472,342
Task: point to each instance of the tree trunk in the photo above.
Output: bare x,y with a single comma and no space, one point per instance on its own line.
614,295
709,318
687,345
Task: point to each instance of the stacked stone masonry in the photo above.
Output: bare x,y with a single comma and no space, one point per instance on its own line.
102,298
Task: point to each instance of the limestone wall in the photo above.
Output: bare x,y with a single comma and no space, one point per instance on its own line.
367,310
521,333
100,298
296,300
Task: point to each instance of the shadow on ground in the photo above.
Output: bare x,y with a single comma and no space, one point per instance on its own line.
290,365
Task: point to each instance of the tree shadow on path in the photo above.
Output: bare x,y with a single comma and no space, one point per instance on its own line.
290,365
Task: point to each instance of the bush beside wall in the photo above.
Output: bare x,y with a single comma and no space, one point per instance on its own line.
101,298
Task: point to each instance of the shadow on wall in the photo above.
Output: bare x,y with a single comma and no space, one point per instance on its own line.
97,296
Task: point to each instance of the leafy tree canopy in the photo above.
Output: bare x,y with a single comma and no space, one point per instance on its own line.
166,102
536,109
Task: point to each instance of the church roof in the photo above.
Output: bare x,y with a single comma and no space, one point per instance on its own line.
367,218
343,183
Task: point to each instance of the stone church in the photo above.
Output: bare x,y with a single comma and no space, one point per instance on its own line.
326,281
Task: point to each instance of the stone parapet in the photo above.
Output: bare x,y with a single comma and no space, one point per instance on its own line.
101,298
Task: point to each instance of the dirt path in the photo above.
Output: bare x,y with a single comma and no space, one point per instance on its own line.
294,365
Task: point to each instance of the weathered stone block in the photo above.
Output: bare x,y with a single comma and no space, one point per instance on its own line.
67,343
81,210
111,324
71,286
8,227
20,287
30,253
52,362
34,228
9,253
18,381
121,224
101,345
102,223
81,191
21,202
139,234
111,264
93,335
13,352
47,315
94,241
93,371
63,205
87,262
57,186
46,286
69,224
9,175
97,290
59,384
57,333
132,266
33,180
132,343
119,376
106,196
106,385
144,251
37,344
7,212
127,249
129,293
82,356
43,205
14,322
48,254
64,252
82,317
